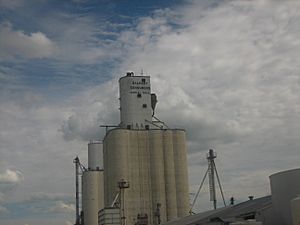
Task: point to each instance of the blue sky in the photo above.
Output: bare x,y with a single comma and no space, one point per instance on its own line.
103,21
227,71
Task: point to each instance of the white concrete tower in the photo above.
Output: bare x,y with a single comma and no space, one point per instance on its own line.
95,156
135,101
93,184
148,155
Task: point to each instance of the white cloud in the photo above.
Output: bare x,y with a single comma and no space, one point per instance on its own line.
11,176
3,210
42,196
77,40
94,110
224,69
31,142
80,1
11,4
62,207
19,44
228,74
1,197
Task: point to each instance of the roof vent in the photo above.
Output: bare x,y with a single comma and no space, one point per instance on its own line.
130,74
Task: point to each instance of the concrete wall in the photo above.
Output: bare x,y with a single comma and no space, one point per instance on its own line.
154,164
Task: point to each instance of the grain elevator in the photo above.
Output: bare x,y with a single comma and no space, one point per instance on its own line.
144,167
92,184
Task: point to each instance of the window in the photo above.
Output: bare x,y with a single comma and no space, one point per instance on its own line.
139,95
143,80
144,105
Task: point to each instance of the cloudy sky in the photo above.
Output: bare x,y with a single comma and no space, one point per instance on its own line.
227,71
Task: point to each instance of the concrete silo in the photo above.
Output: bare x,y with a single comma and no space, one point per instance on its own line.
285,186
126,156
157,174
92,196
95,156
295,206
115,148
181,171
92,184
150,157
154,163
169,167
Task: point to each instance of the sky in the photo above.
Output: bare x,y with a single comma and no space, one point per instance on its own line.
226,71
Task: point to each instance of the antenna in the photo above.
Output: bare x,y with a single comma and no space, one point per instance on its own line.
211,171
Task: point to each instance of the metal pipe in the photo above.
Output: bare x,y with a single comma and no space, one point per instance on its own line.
122,186
211,168
198,191
220,185
76,161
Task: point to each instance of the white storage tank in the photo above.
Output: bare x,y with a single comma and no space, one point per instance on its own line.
158,186
169,167
115,149
295,205
127,157
285,186
181,173
154,164
92,196
95,155
153,161
135,101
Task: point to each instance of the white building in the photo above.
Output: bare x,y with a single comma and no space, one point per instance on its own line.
152,160
135,101
92,184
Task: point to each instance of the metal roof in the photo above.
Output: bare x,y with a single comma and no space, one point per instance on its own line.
229,213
